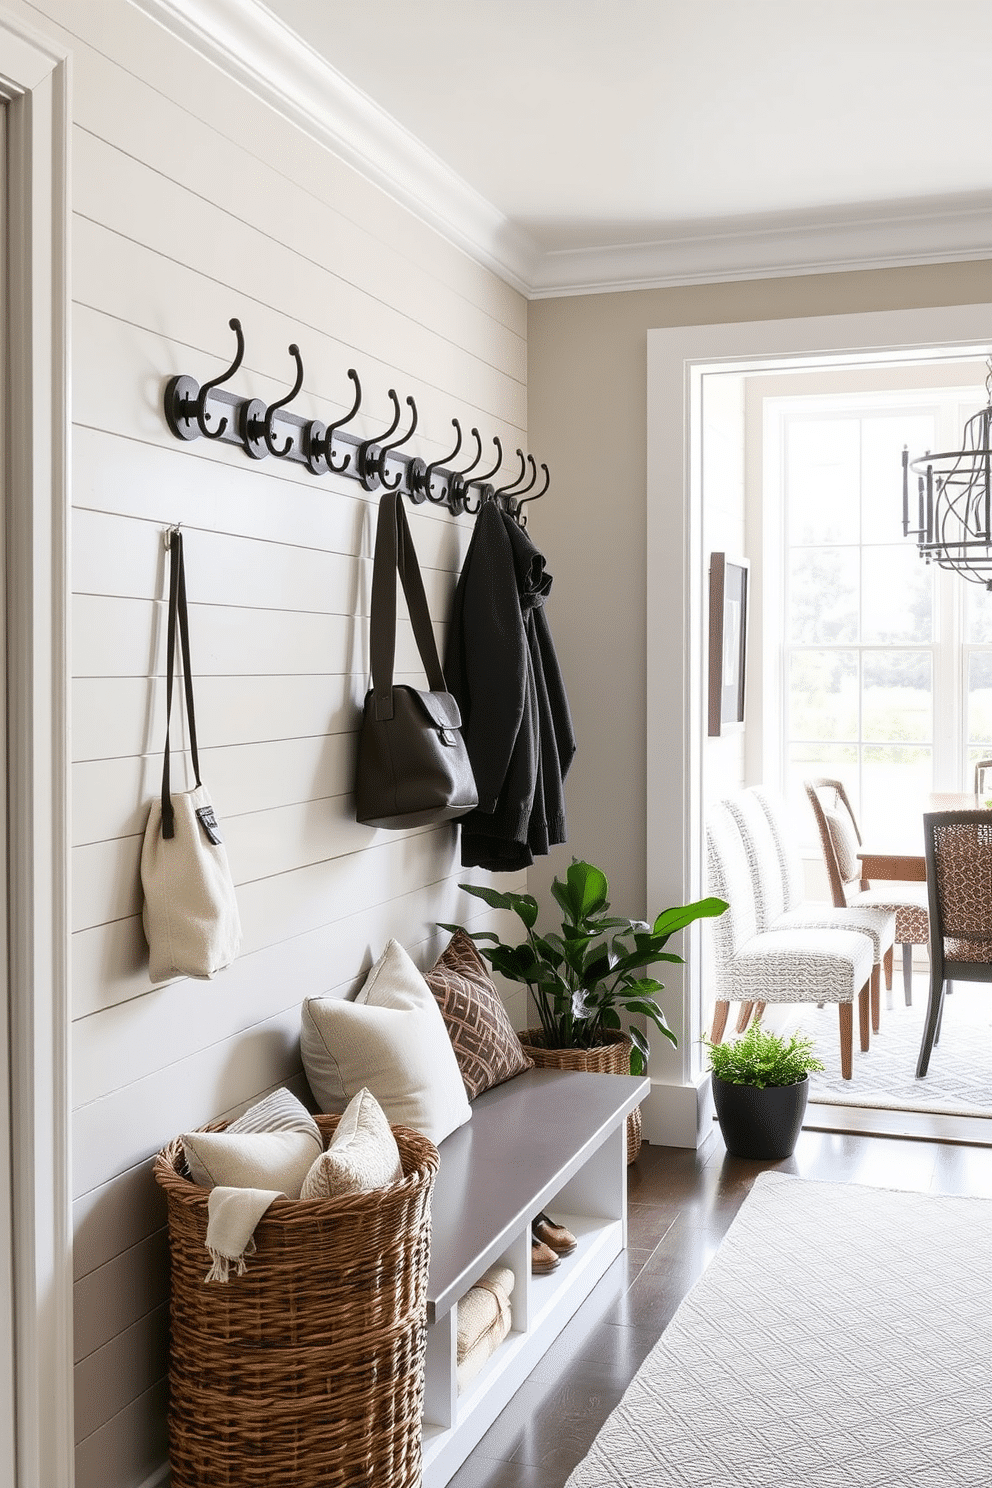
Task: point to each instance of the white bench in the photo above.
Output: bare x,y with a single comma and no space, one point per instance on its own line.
549,1139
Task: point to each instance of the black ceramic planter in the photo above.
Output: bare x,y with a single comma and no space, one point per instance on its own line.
760,1123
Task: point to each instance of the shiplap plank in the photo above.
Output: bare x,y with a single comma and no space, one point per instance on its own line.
135,47
111,1377
112,1297
229,710
260,844
128,558
129,1447
110,962
272,500
118,272
130,1124
137,202
169,1024
111,797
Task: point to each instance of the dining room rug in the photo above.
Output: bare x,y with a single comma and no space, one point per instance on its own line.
840,1338
959,1080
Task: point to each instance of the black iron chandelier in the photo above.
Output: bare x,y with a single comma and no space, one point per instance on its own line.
954,501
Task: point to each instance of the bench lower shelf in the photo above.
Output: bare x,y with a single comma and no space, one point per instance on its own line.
575,1168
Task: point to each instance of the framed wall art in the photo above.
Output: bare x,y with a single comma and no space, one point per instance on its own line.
728,642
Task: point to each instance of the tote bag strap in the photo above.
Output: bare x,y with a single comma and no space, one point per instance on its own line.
177,618
394,551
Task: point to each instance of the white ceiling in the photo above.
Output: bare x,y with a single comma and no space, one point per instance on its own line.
601,145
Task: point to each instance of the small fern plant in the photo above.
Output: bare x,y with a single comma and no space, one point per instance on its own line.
763,1058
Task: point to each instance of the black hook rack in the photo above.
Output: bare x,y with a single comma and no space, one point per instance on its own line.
212,411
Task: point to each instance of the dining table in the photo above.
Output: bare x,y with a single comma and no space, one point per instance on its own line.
910,867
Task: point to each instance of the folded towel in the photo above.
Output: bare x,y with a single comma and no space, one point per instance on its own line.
233,1214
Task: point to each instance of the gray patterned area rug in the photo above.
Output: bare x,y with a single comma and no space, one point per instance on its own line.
840,1338
959,1080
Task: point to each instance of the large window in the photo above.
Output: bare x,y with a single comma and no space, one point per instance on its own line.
886,665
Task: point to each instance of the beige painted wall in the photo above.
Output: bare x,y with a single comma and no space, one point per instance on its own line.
587,358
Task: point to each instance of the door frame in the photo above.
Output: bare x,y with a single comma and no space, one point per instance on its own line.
35,87
678,359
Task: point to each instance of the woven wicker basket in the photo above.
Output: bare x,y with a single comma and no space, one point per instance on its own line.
609,1058
308,1370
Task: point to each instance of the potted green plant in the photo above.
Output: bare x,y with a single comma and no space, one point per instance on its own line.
588,980
760,1090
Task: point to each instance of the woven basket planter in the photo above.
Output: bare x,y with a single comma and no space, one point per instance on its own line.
308,1370
609,1058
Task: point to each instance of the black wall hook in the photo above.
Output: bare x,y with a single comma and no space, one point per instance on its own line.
482,481
522,516
427,479
201,402
457,484
380,459
367,455
186,402
270,443
328,452
504,490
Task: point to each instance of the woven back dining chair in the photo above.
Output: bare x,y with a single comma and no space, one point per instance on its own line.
840,839
958,850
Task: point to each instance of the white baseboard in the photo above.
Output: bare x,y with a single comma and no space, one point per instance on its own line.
160,1478
678,1115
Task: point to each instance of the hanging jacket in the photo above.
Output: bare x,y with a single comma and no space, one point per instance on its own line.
501,666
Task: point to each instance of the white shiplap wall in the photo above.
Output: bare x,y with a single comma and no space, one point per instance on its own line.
192,203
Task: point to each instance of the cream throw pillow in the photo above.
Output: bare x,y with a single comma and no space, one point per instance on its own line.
271,1146
391,1039
362,1154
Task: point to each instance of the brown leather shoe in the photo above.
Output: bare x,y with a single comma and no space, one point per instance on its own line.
542,1257
555,1236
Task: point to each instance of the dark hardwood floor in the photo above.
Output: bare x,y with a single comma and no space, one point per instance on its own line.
680,1205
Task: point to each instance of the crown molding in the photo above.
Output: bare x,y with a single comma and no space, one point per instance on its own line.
951,230
250,44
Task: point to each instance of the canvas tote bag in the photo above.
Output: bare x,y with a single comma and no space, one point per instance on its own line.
413,766
190,911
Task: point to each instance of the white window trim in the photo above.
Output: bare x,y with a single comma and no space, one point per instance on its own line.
678,359
35,86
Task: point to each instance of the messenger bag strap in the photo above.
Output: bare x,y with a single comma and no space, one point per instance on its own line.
178,617
394,550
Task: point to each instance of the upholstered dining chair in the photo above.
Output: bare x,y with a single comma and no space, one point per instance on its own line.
840,840
785,966
777,873
958,850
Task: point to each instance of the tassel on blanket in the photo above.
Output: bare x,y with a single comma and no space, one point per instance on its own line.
233,1214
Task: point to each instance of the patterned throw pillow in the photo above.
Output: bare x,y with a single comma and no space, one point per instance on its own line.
486,1047
362,1154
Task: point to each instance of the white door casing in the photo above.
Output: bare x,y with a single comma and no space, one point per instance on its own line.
34,86
678,360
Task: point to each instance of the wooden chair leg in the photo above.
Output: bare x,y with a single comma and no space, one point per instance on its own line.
720,1012
876,998
746,1009
846,1012
759,1010
907,973
887,963
863,998
933,1018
